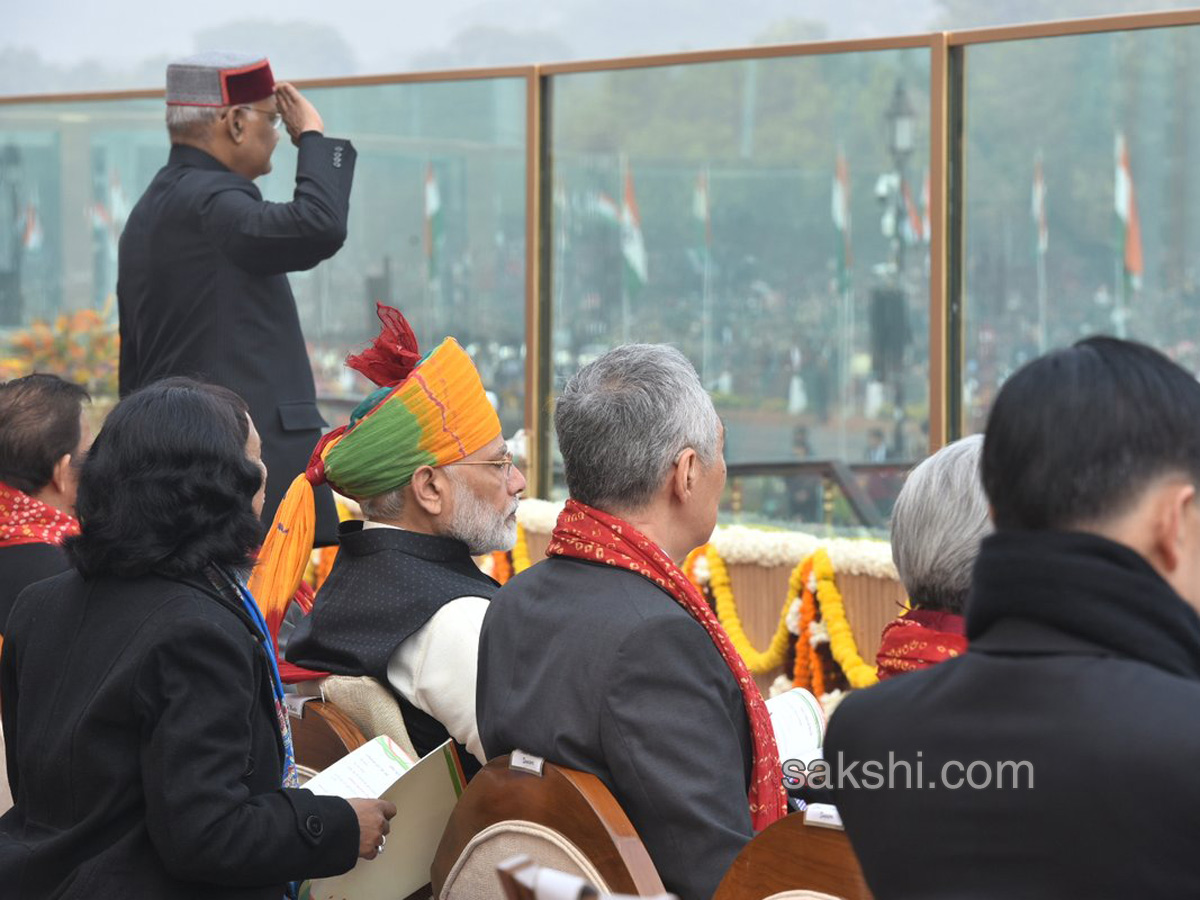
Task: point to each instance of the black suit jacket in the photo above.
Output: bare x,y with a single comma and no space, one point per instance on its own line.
20,566
144,752
202,291
1085,666
600,670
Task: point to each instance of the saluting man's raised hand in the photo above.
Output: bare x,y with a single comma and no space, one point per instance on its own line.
299,115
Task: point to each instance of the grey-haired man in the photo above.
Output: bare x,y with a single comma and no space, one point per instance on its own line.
202,273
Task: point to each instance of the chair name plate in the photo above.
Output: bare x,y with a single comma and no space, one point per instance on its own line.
526,762
824,815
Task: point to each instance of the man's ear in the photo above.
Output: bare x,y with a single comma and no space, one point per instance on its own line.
235,125
684,474
60,477
1173,520
429,491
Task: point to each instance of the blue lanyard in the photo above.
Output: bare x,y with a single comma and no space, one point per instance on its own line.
256,614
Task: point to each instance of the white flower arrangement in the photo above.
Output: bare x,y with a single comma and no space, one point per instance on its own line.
743,544
818,633
862,557
792,620
538,516
780,685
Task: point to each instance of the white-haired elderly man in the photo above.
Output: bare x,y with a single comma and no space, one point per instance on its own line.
202,284
938,521
604,657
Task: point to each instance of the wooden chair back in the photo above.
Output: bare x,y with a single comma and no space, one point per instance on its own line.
791,856
562,818
321,735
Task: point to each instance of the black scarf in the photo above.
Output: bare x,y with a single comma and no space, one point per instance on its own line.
1087,587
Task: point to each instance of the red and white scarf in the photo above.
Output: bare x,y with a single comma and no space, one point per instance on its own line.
919,639
27,520
586,533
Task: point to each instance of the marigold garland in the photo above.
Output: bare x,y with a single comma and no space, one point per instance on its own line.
689,565
824,604
818,674
841,639
323,558
520,552
758,662
322,565
802,673
501,567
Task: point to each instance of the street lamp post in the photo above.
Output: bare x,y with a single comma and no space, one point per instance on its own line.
889,311
901,121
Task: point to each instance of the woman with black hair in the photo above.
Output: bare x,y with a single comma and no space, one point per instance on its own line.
148,747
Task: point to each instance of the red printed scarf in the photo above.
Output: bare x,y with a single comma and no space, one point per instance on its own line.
919,639
26,520
586,533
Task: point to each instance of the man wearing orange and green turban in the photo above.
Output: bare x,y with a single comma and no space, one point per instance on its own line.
425,458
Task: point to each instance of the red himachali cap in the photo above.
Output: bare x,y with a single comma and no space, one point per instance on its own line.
219,79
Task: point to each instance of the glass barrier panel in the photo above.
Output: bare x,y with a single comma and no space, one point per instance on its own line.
814,497
437,225
769,218
437,229
69,175
1081,200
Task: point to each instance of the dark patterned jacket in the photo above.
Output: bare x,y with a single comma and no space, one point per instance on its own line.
384,586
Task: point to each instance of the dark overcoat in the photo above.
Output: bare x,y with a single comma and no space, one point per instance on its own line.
202,290
144,751
23,564
1056,758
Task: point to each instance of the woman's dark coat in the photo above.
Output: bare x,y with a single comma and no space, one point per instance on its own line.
144,752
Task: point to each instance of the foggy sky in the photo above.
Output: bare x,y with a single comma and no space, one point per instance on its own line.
387,36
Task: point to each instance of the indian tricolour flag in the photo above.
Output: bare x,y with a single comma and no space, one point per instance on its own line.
31,226
433,221
1129,232
926,226
914,222
633,248
841,220
700,213
598,203
1037,208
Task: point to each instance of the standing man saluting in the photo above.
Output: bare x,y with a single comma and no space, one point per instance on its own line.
202,284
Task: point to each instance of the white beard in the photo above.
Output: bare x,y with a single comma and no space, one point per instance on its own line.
479,526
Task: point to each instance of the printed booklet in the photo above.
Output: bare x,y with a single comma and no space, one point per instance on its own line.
424,793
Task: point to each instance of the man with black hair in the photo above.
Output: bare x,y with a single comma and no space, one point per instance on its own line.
43,437
1056,757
